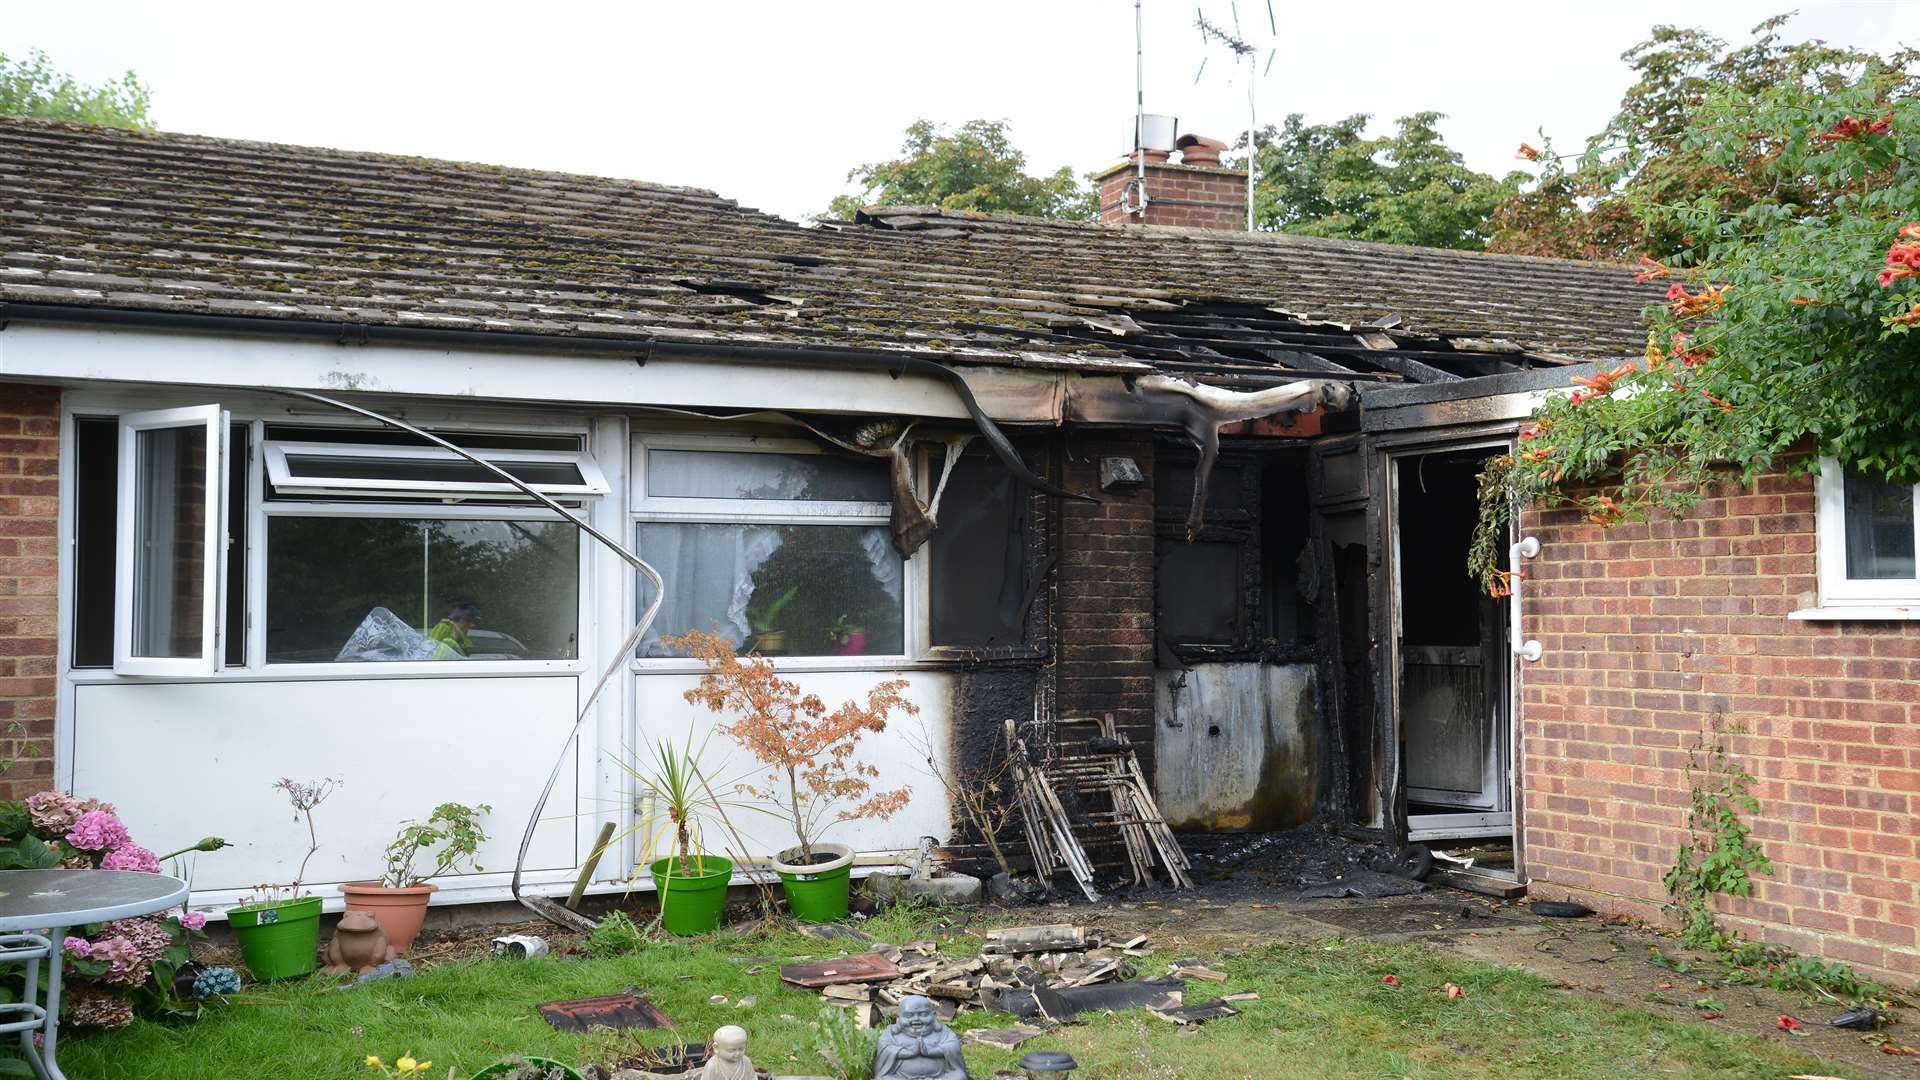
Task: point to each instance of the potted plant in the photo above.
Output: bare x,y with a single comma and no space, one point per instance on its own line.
398,900
813,778
767,635
279,927
690,883
849,638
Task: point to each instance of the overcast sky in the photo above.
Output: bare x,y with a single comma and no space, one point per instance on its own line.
770,103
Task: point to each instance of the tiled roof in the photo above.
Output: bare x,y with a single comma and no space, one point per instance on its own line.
179,223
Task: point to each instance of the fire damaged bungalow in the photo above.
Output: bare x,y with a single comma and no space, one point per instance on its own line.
1217,487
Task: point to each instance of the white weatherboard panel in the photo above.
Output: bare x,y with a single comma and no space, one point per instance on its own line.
896,752
185,760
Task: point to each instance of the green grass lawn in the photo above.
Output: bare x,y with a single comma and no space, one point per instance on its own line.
1323,1012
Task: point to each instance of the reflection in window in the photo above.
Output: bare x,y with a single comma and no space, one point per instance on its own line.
719,474
1880,529
170,540
367,589
780,590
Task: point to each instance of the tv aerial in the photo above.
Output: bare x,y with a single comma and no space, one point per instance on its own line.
1241,48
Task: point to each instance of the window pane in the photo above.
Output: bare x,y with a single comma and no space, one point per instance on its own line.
96,501
342,467
169,557
783,590
1879,528
1199,594
239,459
979,558
347,589
717,474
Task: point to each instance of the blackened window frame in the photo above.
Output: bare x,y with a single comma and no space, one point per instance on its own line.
1037,555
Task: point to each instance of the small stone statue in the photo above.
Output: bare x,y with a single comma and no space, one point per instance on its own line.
727,1056
917,1046
358,944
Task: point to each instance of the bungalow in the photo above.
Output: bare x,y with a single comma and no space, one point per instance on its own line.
1218,486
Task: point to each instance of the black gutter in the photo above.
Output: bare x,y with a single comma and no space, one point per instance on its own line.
636,349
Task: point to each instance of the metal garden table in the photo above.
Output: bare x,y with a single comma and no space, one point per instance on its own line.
36,908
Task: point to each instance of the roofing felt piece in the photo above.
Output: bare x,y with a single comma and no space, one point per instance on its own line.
178,223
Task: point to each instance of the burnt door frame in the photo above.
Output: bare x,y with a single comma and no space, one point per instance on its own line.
1389,451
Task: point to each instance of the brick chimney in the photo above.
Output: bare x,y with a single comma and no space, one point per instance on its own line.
1195,191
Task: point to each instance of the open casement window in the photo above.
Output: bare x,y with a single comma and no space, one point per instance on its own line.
328,470
170,565
1869,537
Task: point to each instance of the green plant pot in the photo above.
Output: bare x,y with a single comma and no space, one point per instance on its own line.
280,940
502,1068
692,904
817,892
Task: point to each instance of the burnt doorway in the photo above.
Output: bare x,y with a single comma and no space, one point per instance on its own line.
1451,660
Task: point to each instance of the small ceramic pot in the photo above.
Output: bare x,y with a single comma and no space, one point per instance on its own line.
854,644
400,912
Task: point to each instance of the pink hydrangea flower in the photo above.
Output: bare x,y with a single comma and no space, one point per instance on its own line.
125,965
99,830
53,811
131,856
78,946
193,920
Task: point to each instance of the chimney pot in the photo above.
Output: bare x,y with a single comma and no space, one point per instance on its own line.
1199,151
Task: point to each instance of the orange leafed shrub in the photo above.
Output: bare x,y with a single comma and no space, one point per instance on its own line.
813,775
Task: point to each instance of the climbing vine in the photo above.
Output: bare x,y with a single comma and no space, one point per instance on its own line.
1787,324
1719,857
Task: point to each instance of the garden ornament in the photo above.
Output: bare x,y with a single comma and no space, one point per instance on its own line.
917,1046
358,944
727,1056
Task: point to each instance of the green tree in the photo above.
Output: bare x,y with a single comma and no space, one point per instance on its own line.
1789,323
975,167
1406,188
32,87
1591,205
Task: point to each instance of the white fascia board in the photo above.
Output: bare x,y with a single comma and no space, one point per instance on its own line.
79,354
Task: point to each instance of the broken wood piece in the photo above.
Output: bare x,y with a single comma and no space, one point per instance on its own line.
847,992
859,968
1006,1038
1217,1009
1244,995
1022,940
1477,882
1194,969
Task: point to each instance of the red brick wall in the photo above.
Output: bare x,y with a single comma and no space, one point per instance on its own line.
1656,632
29,562
1179,195
1103,604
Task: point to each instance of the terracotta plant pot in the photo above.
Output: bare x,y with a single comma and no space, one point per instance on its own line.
400,912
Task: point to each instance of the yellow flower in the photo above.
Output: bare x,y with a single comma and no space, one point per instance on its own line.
374,1062
406,1064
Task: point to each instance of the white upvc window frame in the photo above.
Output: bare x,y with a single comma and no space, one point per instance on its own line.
281,480
256,413
212,420
1842,597
646,508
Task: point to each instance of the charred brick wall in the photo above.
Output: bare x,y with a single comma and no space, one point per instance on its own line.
1103,600
1657,636
29,567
